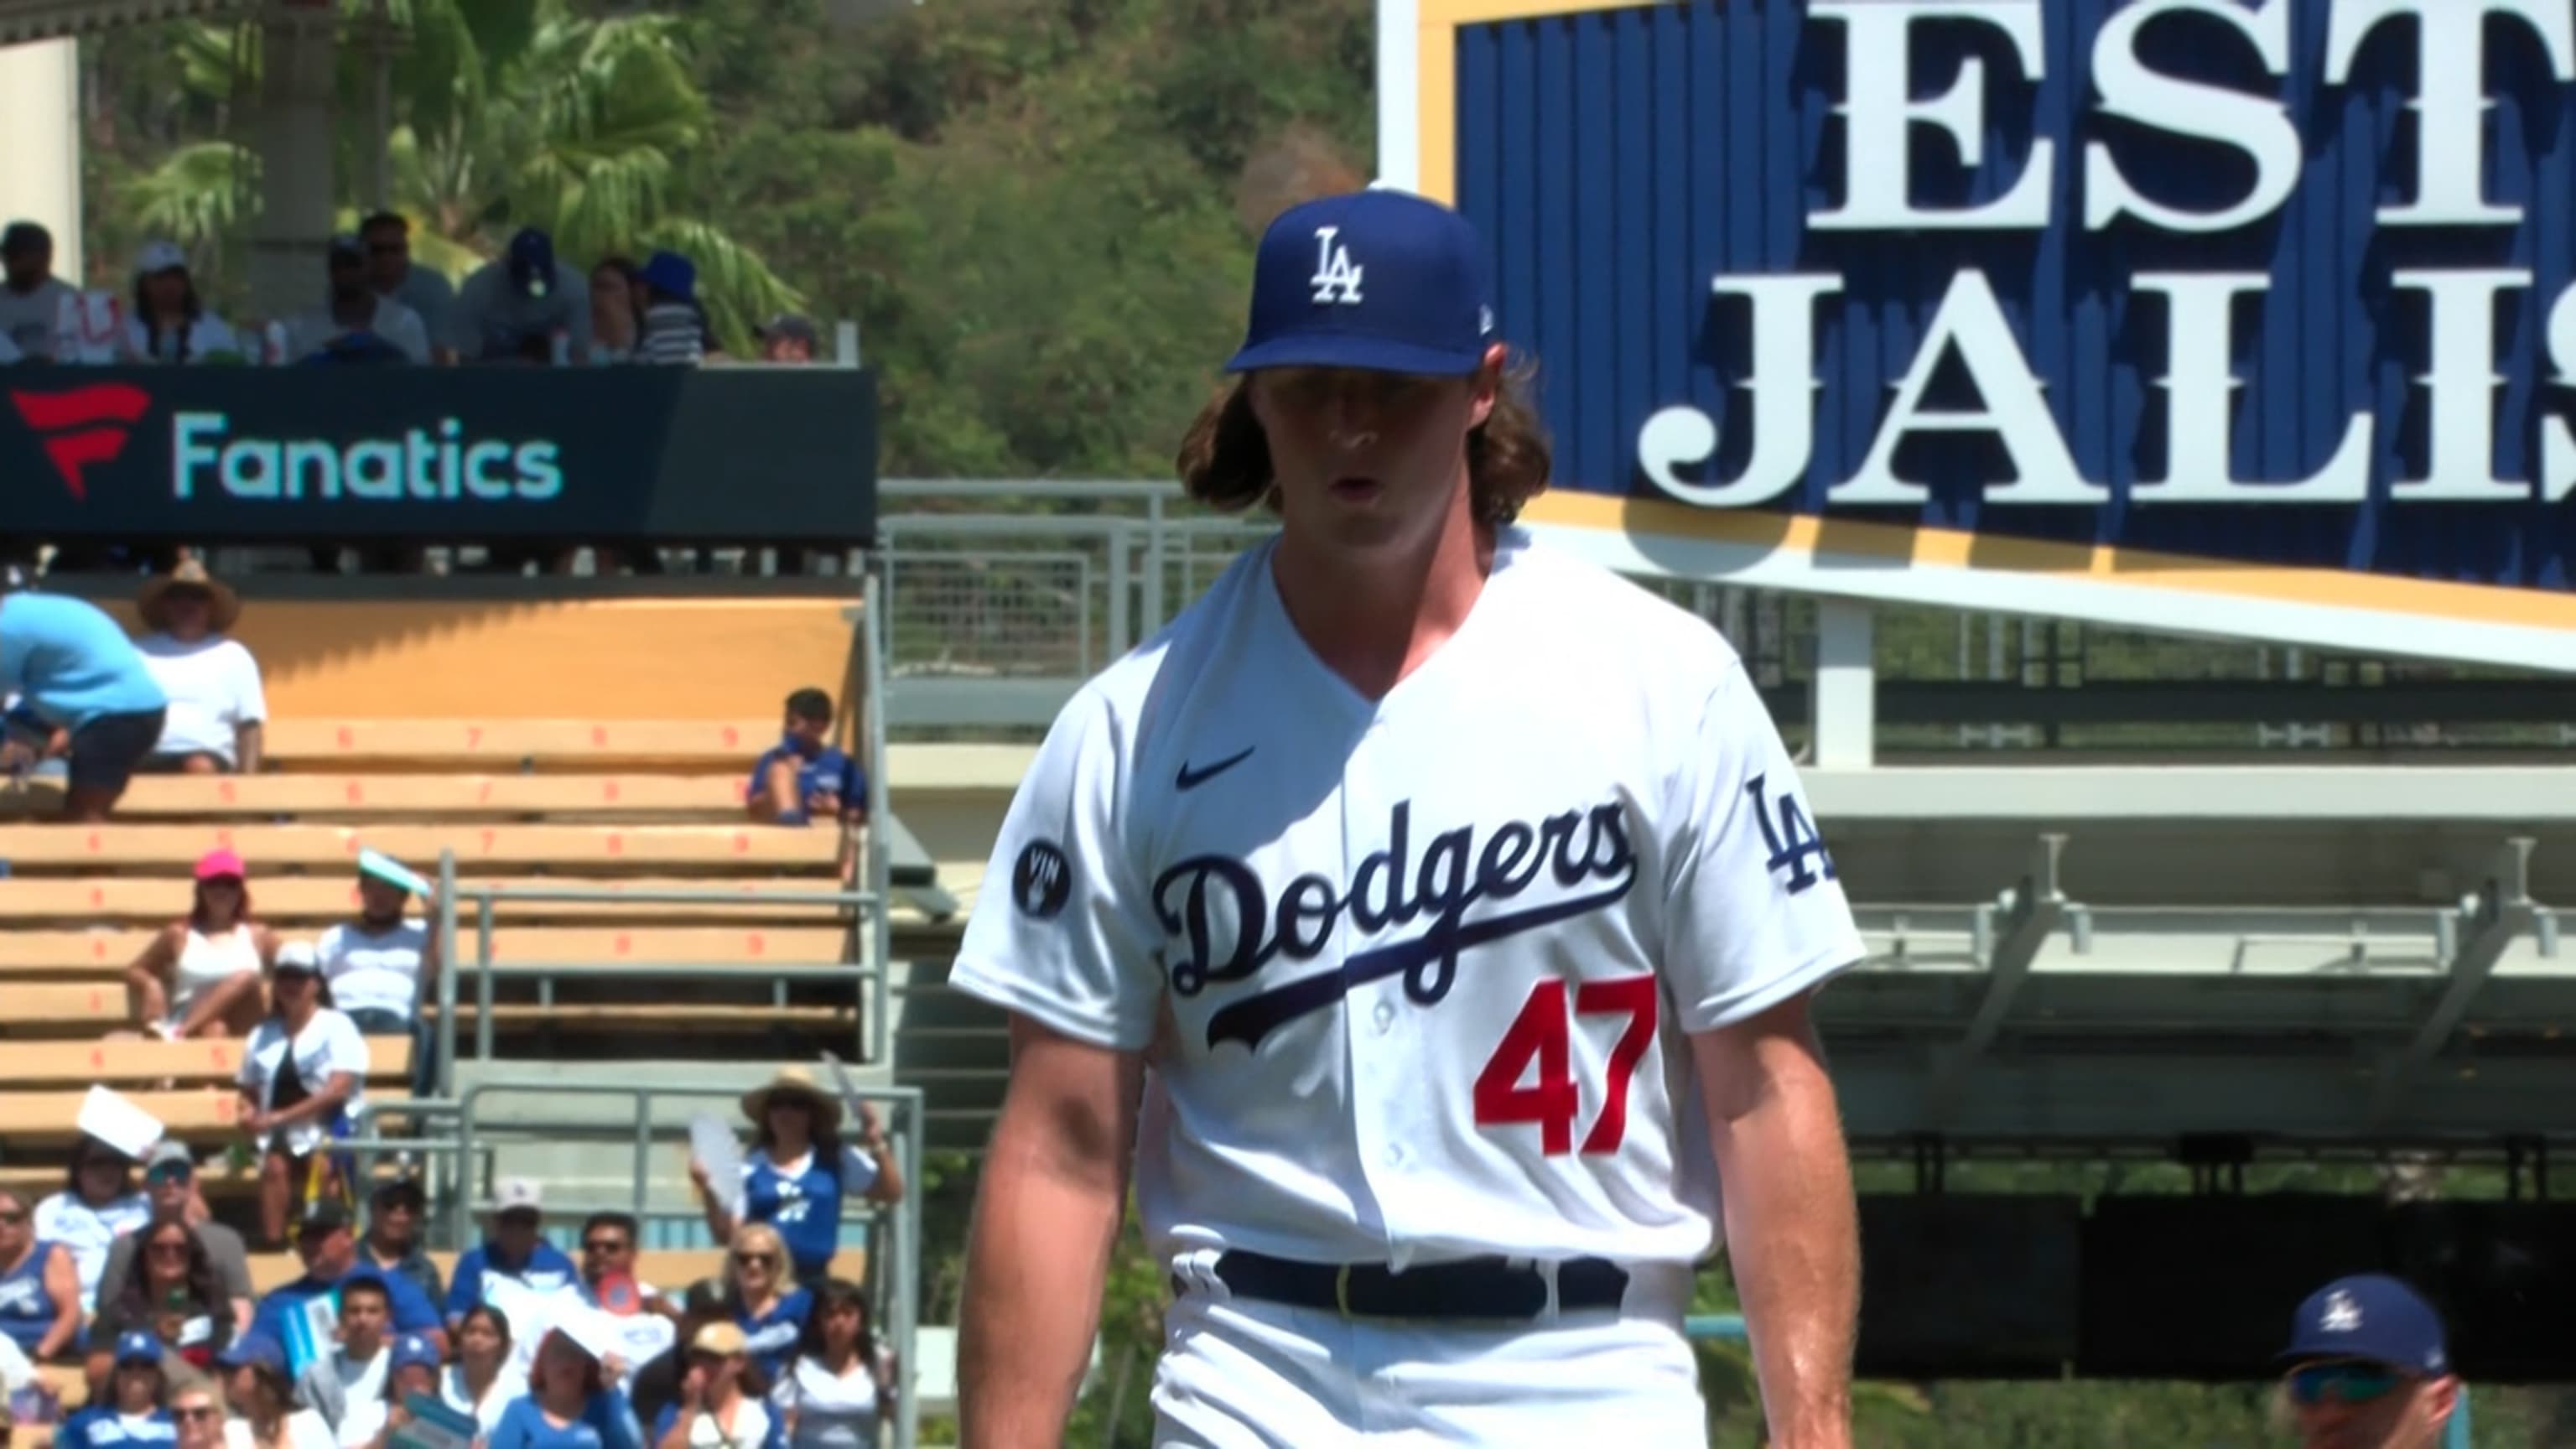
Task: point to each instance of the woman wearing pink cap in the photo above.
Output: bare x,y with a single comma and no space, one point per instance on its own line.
201,976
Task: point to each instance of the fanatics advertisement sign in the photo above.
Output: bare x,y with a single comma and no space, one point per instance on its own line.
283,455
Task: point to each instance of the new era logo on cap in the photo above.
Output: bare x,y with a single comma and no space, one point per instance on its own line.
1380,280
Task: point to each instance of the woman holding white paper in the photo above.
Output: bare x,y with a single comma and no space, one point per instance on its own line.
799,1169
99,1203
570,1405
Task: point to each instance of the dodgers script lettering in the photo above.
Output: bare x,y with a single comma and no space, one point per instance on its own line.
1225,925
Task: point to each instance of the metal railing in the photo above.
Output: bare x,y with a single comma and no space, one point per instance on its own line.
893,1257
872,1045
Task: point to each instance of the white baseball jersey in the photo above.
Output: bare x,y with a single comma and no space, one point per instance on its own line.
1413,974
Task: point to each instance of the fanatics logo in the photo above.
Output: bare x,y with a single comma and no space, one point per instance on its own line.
83,427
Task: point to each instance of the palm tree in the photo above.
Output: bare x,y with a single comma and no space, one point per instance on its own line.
507,114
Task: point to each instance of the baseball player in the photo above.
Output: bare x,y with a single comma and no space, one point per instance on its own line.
1431,918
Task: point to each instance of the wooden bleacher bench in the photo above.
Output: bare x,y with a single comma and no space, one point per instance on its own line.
447,744
105,953
334,793
321,900
42,1083
560,847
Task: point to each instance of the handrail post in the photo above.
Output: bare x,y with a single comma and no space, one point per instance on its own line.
877,1046
447,974
483,903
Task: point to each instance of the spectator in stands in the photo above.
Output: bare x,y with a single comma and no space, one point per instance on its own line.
569,1405
674,329
514,1261
392,1245
760,1288
513,309
804,777
2368,1367
263,1395
200,977
355,1367
40,1296
383,966
798,1170
352,317
721,1398
171,1291
483,1381
330,1255
134,1411
789,340
217,706
843,1384
303,1075
656,1382
616,310
77,674
197,1407
607,1284
99,1203
170,1180
371,1421
386,237
170,323
31,296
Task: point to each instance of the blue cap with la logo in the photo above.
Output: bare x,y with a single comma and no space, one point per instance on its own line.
2371,1317
1381,280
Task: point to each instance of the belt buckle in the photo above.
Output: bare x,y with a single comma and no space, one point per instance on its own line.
1342,1298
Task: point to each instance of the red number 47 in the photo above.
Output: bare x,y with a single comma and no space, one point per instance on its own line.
1541,1034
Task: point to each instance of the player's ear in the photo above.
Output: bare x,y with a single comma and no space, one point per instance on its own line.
1488,383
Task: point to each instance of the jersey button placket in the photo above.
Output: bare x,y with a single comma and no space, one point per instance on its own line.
1368,1013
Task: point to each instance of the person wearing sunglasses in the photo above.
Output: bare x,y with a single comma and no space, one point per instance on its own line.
197,1411
170,1181
760,1287
2368,1368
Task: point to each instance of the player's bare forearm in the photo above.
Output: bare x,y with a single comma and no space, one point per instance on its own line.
1792,1228
1046,1216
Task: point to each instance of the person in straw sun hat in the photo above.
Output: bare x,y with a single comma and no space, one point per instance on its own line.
217,704
799,1169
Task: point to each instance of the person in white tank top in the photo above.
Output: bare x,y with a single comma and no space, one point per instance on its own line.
200,977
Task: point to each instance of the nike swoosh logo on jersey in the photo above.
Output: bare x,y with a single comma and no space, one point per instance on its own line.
1192,779
1255,1017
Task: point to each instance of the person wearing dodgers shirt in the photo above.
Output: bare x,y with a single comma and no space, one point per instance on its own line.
514,1258
134,1417
330,1254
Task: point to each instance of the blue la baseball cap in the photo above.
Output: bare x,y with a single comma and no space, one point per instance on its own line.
412,1351
136,1346
1380,280
2372,1317
255,1349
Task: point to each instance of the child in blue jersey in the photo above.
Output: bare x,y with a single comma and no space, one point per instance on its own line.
136,1416
798,1171
569,1405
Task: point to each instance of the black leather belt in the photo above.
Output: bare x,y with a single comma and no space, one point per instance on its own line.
1486,1288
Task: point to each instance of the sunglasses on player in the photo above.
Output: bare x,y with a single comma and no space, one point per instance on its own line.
2350,1382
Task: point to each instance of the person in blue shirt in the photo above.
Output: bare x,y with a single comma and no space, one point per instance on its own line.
761,1296
799,1170
513,1248
330,1253
137,1414
569,1405
803,778
80,678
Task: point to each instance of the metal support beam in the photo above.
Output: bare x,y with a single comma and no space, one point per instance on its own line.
1844,722
2501,911
2033,910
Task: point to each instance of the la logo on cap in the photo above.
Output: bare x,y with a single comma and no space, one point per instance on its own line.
1337,280
2342,1315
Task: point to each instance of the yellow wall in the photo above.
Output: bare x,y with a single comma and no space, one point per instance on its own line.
606,659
